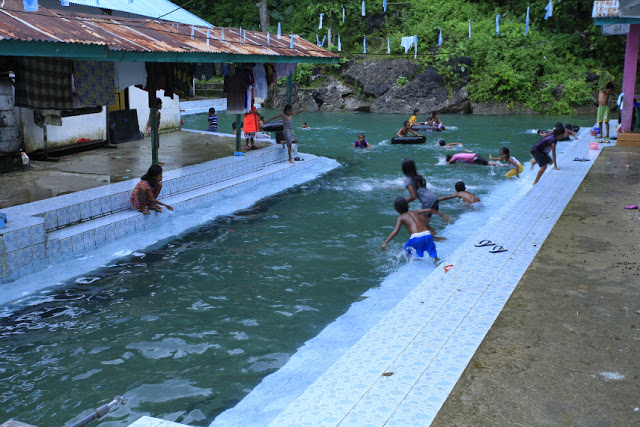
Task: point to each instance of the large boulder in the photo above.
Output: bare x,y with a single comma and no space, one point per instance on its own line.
355,103
427,91
300,98
377,77
331,95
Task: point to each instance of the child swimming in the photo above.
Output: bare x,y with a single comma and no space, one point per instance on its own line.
421,240
406,129
512,162
212,120
451,145
145,195
466,158
361,142
417,187
462,194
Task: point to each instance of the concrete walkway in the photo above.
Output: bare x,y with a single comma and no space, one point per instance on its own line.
403,370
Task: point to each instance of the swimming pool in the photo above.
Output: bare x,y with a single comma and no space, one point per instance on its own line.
186,328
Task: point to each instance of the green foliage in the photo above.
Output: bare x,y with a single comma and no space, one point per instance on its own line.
401,81
303,74
545,70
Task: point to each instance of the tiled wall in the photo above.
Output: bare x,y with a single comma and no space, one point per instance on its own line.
71,225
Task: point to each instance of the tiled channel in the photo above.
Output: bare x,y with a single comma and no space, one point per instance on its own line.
402,370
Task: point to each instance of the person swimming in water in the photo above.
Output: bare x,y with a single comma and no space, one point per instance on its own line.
361,142
467,158
451,145
462,194
421,241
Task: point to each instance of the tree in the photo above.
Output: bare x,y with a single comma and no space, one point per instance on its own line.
264,14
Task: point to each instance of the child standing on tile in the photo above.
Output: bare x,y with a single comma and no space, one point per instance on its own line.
145,195
421,240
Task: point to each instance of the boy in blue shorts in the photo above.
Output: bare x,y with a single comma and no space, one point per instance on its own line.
421,241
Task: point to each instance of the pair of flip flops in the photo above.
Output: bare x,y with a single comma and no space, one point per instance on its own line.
496,248
631,207
577,159
298,159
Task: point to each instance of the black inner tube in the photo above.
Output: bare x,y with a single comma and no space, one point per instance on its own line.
275,126
409,140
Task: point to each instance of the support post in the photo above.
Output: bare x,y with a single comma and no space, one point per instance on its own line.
289,85
238,133
629,76
153,121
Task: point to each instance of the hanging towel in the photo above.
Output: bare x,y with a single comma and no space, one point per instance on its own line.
43,83
343,14
388,44
66,2
260,76
363,9
30,5
321,43
384,5
407,42
291,42
469,29
415,47
339,44
321,16
526,23
182,79
235,86
364,44
279,31
440,38
268,39
130,74
498,24
549,9
283,70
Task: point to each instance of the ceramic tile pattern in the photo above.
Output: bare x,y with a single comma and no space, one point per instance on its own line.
402,370
70,226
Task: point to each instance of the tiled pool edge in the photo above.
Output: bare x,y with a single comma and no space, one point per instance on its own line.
322,401
69,226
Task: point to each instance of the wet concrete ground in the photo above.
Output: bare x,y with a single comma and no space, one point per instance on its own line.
565,348
89,169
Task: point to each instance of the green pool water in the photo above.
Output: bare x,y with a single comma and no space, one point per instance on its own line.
186,328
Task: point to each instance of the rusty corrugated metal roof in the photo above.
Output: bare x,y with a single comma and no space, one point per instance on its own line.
138,35
606,9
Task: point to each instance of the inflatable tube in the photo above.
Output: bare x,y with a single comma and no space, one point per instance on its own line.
275,126
425,128
409,140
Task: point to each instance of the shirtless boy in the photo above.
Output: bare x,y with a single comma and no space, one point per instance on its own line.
462,193
406,129
603,108
421,240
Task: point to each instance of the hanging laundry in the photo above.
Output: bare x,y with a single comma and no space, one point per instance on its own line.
95,83
363,9
526,23
279,31
260,77
343,14
320,43
321,16
549,9
235,86
66,2
222,33
160,75
268,39
182,79
130,74
415,47
384,5
469,29
217,67
284,70
30,5
407,42
440,38
364,44
388,44
43,83
498,24
339,44
225,69
291,46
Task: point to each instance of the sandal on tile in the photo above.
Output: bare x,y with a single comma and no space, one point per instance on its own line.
483,243
497,249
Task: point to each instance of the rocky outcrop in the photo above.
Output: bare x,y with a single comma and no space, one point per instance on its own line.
300,98
377,77
330,96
